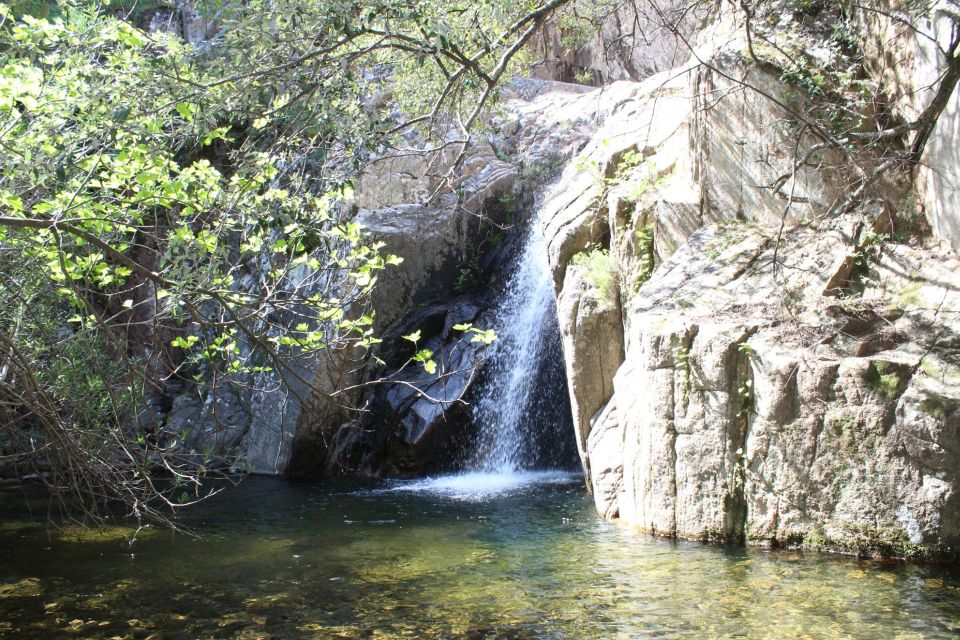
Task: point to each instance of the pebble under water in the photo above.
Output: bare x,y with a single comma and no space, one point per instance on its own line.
476,556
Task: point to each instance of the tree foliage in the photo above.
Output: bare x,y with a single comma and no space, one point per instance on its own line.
172,210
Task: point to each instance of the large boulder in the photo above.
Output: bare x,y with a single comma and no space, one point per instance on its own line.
788,372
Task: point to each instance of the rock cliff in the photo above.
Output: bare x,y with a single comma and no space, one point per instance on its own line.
454,233
746,360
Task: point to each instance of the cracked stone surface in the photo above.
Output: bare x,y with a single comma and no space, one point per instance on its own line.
776,385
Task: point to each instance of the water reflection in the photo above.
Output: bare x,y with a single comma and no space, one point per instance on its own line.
342,560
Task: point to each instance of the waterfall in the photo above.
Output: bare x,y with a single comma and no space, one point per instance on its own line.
514,409
521,410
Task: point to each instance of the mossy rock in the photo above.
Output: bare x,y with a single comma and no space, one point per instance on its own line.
26,588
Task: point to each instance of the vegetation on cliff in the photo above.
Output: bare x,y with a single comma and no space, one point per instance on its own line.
175,203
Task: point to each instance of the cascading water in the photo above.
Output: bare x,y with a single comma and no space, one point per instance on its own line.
525,323
521,411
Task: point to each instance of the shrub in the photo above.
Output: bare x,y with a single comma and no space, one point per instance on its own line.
601,269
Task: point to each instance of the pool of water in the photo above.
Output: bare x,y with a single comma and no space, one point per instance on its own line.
468,557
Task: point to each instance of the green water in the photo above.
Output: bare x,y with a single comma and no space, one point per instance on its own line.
348,560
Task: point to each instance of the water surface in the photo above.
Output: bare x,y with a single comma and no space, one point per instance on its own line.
461,558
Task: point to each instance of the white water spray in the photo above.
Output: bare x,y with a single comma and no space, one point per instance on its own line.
522,321
518,421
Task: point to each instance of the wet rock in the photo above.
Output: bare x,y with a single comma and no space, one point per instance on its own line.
592,332
26,588
604,455
78,625
420,420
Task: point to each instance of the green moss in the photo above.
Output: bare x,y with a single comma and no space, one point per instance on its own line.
795,539
26,588
939,370
871,542
861,541
718,536
908,297
930,368
813,540
842,426
882,379
938,406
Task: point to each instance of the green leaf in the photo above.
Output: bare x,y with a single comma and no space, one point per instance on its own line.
185,110
12,201
484,336
184,342
413,337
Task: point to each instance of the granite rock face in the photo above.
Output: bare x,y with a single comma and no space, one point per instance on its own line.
444,226
634,41
778,423
908,58
782,373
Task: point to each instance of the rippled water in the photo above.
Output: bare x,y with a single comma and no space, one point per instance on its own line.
467,557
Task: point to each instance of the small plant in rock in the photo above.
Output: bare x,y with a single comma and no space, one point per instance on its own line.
584,77
644,246
745,392
465,279
866,251
592,167
630,160
812,82
509,203
636,176
601,269
869,247
531,171
843,34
